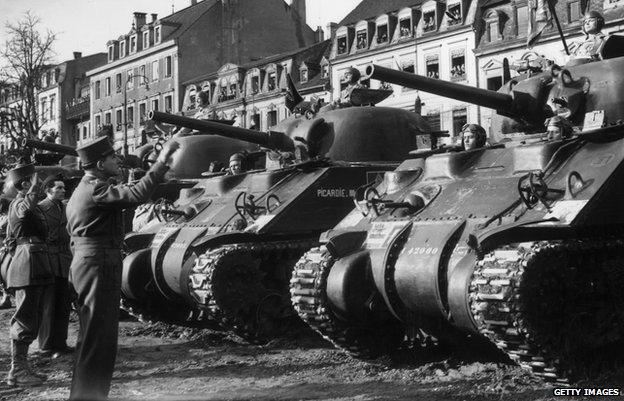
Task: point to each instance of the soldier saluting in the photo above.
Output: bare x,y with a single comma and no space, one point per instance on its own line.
95,223
29,272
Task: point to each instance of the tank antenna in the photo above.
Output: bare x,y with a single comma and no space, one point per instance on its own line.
551,7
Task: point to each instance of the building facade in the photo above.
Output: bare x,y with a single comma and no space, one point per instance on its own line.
253,94
147,66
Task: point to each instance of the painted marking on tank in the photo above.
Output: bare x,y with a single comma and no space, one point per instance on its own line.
421,250
382,232
602,160
335,193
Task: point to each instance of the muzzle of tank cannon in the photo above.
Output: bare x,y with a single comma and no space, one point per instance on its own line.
49,146
525,100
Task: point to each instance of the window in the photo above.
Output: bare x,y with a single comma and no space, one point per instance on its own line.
255,84
492,30
122,49
458,65
407,65
142,113
107,118
494,83
107,86
429,21
130,116
405,27
271,118
382,33
118,120
574,11
459,120
142,81
52,107
44,110
432,66
232,90
272,84
255,122
97,89
84,132
342,44
130,81
145,39
522,14
118,83
303,75
157,34
168,104
168,66
433,118
98,122
133,43
155,70
155,105
110,53
325,71
453,12
361,39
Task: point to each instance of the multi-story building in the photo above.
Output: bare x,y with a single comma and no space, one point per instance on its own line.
253,94
60,86
430,38
147,66
503,34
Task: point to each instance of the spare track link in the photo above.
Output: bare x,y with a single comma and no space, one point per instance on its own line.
541,300
206,290
309,298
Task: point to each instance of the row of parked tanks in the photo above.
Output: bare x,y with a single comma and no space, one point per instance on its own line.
519,242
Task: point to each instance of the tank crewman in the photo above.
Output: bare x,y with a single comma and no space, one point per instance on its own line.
204,112
352,78
28,273
236,164
473,136
558,128
95,224
56,299
593,22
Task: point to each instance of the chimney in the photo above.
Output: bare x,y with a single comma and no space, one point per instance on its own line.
319,35
331,28
154,17
139,20
77,55
193,2
299,6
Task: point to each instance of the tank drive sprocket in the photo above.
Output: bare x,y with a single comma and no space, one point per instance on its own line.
308,291
555,308
245,286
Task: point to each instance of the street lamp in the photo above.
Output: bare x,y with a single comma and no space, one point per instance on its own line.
125,109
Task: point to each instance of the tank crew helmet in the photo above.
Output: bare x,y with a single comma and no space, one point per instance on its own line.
558,128
93,151
19,174
236,157
589,16
479,136
352,75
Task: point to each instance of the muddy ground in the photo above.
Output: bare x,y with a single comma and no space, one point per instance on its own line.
160,362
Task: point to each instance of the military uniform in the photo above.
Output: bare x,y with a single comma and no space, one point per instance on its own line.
95,224
56,302
28,274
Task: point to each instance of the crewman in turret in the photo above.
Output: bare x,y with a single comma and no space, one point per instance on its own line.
473,136
558,128
236,164
352,78
593,22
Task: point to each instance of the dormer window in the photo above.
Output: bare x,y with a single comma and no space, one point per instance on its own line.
303,75
405,27
493,31
361,39
342,44
111,53
272,81
133,44
494,21
157,35
255,84
429,21
453,12
325,71
145,39
233,89
122,49
382,33
522,15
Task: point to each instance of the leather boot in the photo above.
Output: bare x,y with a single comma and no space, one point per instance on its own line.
20,373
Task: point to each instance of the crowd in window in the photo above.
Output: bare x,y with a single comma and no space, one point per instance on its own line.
429,22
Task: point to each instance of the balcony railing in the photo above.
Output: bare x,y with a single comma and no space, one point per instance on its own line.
77,108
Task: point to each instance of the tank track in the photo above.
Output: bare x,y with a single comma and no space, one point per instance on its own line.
555,308
309,298
229,285
151,314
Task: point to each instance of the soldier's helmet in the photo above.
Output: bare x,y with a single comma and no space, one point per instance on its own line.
599,20
565,128
236,157
478,131
355,75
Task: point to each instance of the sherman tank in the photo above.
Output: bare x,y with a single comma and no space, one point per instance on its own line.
520,244
227,252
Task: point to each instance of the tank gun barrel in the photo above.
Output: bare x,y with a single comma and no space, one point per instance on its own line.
501,102
52,147
271,140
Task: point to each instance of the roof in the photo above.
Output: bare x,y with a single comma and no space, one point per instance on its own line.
374,8
186,17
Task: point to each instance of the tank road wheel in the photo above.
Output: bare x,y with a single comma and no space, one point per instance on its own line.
554,308
157,309
308,292
240,286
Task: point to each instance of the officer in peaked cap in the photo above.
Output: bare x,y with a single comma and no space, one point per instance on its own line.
29,271
95,224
